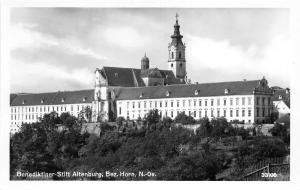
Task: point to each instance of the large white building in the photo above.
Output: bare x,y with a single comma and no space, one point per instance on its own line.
132,93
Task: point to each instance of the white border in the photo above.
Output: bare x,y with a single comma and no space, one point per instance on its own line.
4,89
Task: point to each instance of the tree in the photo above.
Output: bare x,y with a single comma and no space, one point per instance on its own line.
205,127
86,114
184,119
41,146
166,122
120,121
152,117
281,131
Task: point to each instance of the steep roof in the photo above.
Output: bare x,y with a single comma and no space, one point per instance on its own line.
188,90
130,77
284,94
53,98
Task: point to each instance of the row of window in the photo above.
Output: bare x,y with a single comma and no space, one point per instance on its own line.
29,116
264,101
219,113
45,109
189,103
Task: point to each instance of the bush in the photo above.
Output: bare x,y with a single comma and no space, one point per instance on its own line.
184,119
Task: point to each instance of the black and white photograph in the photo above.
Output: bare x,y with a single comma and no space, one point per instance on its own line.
149,94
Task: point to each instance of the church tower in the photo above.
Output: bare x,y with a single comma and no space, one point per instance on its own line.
176,61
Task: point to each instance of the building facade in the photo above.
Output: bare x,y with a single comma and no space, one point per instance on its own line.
245,101
133,92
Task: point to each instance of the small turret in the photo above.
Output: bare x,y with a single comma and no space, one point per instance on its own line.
145,62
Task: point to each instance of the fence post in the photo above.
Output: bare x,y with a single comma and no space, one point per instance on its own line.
268,168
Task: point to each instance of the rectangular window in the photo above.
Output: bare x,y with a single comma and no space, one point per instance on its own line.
189,103
139,104
224,102
212,113
177,103
249,101
218,113
195,103
257,112
211,102
205,113
155,104
243,101
71,107
200,103
189,113
166,103
243,113
224,113
200,115
172,105
231,113
237,113
263,112
171,113
237,101
132,105
194,113
269,101
144,104
127,105
218,102
120,111
231,102
160,104
249,113
263,101
183,103
257,101
205,102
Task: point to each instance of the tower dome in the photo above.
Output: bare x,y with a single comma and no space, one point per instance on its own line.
145,62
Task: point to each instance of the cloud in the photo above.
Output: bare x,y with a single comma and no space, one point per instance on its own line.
222,58
24,36
124,37
45,77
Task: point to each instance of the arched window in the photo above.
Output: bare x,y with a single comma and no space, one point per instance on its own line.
172,65
172,55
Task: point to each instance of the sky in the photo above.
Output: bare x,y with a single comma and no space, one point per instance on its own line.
55,49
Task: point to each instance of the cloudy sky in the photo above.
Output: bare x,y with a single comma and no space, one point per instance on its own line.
59,48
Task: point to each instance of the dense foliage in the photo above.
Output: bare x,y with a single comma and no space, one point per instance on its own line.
58,143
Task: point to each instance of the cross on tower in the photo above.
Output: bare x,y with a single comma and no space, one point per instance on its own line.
176,16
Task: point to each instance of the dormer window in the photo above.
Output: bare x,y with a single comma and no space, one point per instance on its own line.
63,100
168,93
280,97
23,102
116,75
226,91
196,92
42,101
141,95
84,99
